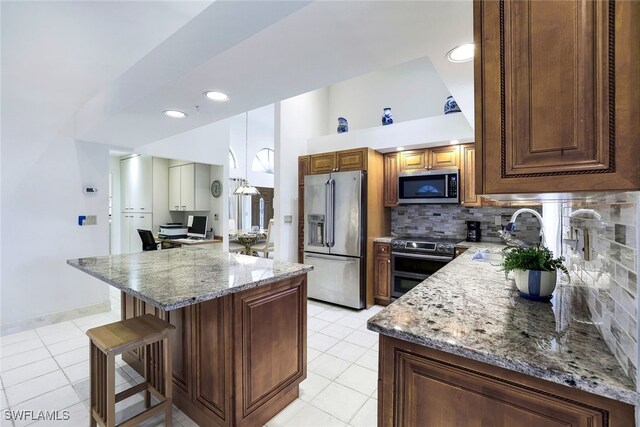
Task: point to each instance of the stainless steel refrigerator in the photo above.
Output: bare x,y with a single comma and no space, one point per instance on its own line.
334,243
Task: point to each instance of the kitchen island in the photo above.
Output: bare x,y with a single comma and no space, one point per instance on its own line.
463,349
239,352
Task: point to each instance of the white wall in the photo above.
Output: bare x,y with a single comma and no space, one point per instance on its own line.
413,90
42,195
297,119
116,204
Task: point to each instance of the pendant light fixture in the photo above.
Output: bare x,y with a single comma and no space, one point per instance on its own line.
246,189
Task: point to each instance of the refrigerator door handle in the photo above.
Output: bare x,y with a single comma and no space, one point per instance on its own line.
327,221
332,212
345,261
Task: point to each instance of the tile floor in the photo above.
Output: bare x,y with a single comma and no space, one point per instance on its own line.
47,369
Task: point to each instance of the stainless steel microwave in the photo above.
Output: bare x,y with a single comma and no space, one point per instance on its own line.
438,186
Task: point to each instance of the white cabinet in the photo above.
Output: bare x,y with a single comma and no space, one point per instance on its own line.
136,175
130,223
189,187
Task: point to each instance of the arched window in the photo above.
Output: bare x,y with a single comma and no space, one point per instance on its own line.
233,163
264,161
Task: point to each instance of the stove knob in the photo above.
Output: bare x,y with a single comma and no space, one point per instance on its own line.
440,247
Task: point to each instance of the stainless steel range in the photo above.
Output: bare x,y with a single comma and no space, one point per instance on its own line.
413,259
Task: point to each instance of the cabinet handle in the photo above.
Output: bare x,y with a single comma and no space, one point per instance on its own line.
141,209
141,216
389,261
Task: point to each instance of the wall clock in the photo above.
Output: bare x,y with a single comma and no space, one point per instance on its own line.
216,188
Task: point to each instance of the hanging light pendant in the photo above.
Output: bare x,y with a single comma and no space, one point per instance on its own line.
246,189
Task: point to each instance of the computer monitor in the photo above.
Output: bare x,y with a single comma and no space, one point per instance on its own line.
197,226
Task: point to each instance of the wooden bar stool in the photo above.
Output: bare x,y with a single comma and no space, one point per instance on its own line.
107,341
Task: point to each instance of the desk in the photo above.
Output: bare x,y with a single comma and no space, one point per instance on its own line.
172,243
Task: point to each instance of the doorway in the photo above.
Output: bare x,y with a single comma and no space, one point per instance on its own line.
262,207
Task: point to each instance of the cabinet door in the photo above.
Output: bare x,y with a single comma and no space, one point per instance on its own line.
187,187
413,160
125,227
140,183
125,179
352,160
468,195
142,222
557,85
322,163
181,349
382,273
447,157
174,188
391,170
303,168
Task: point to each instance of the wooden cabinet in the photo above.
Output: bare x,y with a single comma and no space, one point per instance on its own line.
391,171
303,168
382,273
136,174
446,157
556,90
336,161
468,196
419,386
189,187
130,241
413,160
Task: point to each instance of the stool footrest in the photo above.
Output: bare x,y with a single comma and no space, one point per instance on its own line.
131,391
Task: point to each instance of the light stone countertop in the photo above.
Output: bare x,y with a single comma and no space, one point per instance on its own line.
383,239
467,308
175,278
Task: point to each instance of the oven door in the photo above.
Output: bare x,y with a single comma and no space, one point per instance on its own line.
408,270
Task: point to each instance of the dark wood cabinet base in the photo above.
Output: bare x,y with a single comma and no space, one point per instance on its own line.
237,360
418,386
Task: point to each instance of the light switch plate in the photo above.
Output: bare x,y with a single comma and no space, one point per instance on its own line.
497,220
288,219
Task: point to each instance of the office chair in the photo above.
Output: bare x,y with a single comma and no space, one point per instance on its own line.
148,242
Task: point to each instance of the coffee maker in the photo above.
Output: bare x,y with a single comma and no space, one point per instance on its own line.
473,231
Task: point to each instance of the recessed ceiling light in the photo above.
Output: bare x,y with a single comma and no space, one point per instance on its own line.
175,114
462,53
400,148
454,141
217,96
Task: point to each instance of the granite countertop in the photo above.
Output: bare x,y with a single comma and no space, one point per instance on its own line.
383,239
468,309
174,278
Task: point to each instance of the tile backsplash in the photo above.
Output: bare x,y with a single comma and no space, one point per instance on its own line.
610,276
449,221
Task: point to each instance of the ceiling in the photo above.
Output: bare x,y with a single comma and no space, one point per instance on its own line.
105,71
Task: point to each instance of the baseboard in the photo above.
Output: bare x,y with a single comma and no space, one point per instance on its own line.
63,316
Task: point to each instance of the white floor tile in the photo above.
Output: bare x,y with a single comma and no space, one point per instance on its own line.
72,357
347,351
369,360
339,401
94,320
312,386
311,416
321,342
57,328
315,324
35,387
12,362
20,347
30,371
351,321
312,354
362,339
62,336
3,401
287,413
58,399
313,309
18,337
68,345
330,315
367,416
337,331
359,379
328,366
374,395
77,372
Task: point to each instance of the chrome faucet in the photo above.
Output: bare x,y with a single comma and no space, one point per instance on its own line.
511,226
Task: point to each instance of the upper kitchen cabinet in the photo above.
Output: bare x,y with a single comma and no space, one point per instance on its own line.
189,187
136,174
447,157
468,196
556,89
391,171
338,161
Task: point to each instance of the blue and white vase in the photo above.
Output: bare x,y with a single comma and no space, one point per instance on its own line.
451,106
343,125
387,118
535,284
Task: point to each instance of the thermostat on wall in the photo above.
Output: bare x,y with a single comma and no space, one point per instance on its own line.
90,190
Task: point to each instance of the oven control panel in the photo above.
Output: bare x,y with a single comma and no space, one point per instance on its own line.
421,246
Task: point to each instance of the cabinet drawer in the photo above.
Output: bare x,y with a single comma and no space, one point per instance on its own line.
382,248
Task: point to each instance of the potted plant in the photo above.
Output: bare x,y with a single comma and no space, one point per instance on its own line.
535,271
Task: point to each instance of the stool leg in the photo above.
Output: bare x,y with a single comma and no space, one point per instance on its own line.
111,390
168,371
147,372
93,378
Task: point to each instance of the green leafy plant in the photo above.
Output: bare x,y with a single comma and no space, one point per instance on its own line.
532,258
